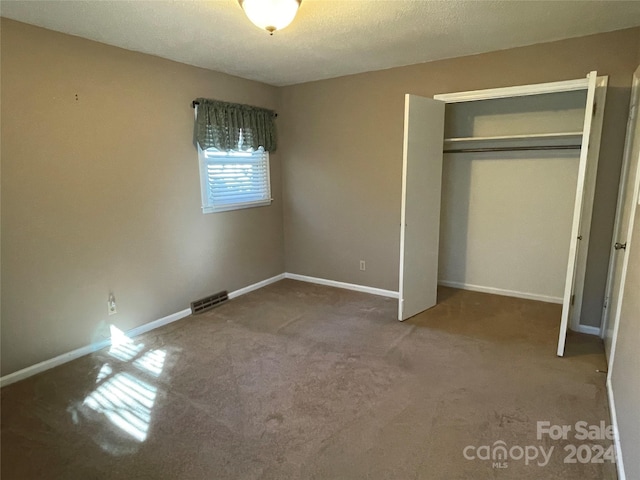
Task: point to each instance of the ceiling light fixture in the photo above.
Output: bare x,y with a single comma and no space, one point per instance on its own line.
270,15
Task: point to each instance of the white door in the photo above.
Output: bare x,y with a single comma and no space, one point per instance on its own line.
630,171
420,211
588,201
567,302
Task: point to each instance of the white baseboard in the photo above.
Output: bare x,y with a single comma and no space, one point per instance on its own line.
174,317
86,350
256,286
52,362
347,286
616,435
588,329
501,291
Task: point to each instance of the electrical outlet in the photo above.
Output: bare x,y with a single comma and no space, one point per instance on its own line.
111,304
363,265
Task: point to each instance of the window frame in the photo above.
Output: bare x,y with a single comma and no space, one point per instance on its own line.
204,184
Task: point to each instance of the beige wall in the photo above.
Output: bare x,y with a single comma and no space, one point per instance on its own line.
342,151
100,192
625,377
506,222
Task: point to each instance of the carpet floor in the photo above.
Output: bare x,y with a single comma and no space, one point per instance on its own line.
300,381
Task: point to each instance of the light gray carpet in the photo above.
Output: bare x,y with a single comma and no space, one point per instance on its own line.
299,381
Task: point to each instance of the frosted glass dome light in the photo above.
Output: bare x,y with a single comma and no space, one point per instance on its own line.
270,15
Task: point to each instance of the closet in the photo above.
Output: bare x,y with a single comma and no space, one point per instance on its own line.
497,193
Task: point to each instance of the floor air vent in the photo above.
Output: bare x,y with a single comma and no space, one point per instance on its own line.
207,303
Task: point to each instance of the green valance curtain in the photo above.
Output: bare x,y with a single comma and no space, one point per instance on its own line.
233,126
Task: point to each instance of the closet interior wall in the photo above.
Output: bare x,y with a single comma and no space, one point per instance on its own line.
506,215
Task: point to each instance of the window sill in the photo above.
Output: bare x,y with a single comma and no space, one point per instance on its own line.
241,206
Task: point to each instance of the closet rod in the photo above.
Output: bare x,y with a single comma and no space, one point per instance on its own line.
513,149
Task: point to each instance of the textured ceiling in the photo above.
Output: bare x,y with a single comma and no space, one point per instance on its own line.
327,38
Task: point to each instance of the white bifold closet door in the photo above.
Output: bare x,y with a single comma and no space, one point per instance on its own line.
420,210
586,178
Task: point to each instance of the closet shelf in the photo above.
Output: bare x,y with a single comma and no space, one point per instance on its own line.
534,136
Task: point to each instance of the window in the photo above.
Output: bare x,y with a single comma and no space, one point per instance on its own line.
234,142
234,179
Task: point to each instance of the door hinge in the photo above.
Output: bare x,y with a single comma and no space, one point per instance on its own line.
620,246
573,299
595,107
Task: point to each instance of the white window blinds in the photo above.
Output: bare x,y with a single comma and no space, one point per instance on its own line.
232,180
